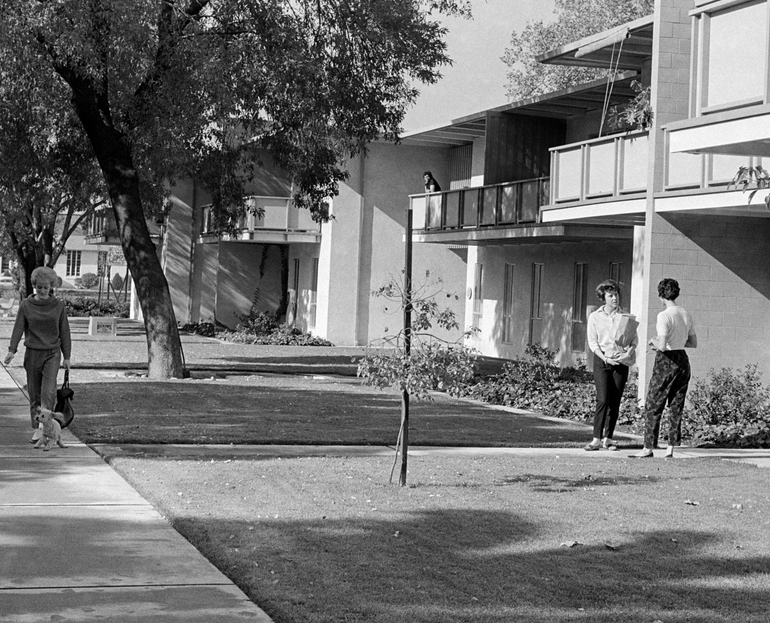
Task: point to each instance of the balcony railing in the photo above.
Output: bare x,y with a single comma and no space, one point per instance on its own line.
707,171
609,167
511,203
267,214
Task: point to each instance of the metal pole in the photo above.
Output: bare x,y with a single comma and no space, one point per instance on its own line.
407,344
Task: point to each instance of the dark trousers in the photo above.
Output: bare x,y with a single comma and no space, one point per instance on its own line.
668,385
42,367
610,382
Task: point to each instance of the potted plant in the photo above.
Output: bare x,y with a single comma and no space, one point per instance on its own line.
756,177
636,115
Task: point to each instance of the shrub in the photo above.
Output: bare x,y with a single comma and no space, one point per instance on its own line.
728,408
258,323
283,335
80,306
88,280
534,382
206,329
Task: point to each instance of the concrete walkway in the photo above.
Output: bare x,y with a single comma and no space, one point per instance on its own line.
79,544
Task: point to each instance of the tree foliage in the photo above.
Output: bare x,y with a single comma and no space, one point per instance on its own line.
49,182
166,89
574,19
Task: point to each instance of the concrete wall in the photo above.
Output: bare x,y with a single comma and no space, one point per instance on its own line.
721,265
555,329
178,248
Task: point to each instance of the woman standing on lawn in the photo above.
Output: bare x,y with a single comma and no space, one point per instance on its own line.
671,371
42,319
611,363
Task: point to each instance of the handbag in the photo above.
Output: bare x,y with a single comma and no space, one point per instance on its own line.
64,397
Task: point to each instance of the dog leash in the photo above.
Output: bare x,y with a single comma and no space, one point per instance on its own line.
21,389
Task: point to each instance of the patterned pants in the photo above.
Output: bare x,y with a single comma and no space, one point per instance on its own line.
670,378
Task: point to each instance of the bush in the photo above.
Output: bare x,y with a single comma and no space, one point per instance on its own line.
283,335
257,323
534,382
88,280
206,329
728,409
80,306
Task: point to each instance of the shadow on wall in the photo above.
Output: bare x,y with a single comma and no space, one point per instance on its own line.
738,243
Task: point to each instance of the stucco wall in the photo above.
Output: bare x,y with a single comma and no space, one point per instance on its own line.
559,260
363,247
305,253
243,268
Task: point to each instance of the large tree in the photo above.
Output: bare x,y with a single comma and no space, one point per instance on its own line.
167,88
573,20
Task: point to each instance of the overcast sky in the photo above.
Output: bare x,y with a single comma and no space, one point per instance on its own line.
476,81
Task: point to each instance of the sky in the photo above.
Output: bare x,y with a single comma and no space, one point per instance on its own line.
476,81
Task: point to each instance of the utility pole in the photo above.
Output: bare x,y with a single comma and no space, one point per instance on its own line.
404,448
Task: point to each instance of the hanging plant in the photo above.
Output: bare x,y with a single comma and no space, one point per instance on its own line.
636,115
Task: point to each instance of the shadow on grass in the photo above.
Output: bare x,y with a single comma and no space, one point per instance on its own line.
556,484
477,566
348,414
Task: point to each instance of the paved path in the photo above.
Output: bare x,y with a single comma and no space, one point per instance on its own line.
79,544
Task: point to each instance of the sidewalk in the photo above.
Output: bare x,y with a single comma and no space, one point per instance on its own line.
79,544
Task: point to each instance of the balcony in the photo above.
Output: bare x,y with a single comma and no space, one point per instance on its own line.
496,205
102,229
611,171
279,222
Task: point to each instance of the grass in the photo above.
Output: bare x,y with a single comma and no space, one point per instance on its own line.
265,409
478,539
481,540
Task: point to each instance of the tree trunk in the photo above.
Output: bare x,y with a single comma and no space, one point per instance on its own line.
113,153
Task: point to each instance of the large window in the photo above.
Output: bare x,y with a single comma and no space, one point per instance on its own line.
73,263
732,63
508,299
579,291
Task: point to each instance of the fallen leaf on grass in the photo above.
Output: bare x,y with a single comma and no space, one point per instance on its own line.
614,548
570,544
692,503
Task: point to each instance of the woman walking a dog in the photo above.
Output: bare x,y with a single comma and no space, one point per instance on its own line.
42,320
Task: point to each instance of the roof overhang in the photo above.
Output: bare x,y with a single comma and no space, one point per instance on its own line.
601,50
571,102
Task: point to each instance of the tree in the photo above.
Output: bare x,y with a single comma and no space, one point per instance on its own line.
575,19
167,88
49,182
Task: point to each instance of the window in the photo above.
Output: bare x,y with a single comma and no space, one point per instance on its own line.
617,272
313,302
535,314
73,263
579,307
5,266
478,300
734,52
508,317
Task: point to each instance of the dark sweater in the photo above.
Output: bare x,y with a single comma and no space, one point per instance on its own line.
44,325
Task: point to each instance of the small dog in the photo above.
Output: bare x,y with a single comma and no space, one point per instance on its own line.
51,429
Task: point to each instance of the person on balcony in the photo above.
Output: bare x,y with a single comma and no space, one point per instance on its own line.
611,363
42,320
431,185
670,376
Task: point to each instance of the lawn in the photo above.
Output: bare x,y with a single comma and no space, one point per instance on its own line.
270,409
483,539
473,538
